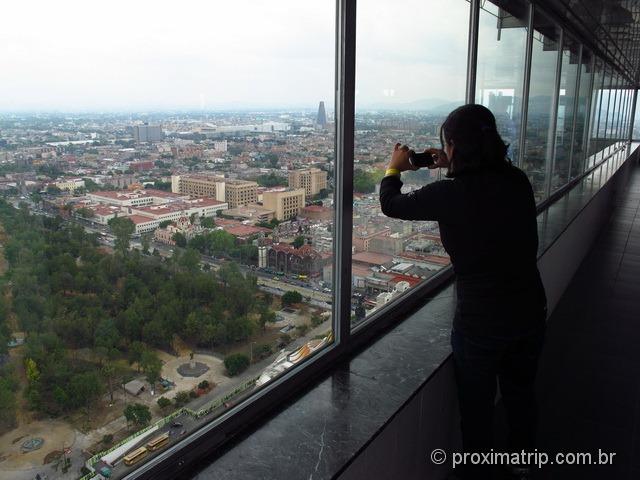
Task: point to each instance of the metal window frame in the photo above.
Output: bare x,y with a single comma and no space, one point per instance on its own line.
472,51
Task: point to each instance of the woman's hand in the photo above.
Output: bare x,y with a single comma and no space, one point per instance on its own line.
400,158
439,157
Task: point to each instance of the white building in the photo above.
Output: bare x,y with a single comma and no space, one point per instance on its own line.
69,184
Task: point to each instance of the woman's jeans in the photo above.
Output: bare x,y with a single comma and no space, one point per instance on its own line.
480,364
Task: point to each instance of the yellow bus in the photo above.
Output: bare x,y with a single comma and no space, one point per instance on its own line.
158,442
135,456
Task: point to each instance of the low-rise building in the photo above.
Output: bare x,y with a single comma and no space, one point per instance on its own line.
69,184
282,257
183,226
286,203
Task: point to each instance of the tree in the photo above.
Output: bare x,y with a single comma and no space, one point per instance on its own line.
365,182
145,240
291,297
151,365
180,239
208,222
109,370
85,212
164,403
236,363
165,223
266,316
52,190
138,414
298,241
190,260
134,354
106,335
181,398
270,180
122,228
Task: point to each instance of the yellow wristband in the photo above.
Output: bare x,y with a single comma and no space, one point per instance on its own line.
391,171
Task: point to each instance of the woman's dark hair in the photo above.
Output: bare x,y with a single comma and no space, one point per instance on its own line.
478,145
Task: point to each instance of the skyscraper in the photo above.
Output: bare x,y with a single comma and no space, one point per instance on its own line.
321,121
147,133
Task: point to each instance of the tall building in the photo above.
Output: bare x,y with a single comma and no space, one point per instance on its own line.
285,203
236,193
311,179
147,133
321,120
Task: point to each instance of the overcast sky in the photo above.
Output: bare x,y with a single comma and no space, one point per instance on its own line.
136,55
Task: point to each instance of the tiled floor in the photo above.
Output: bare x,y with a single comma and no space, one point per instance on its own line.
589,380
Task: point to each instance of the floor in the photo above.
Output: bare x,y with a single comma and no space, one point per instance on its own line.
589,378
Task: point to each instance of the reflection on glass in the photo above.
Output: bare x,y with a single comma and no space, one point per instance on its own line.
605,114
405,87
502,41
581,128
539,131
596,112
565,116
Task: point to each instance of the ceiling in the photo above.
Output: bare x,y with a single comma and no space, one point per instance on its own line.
611,28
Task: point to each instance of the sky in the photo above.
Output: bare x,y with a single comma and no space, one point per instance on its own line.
71,55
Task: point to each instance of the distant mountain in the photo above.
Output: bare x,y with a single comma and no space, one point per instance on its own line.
432,105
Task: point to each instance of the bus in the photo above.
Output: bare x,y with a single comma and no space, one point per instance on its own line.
158,442
135,456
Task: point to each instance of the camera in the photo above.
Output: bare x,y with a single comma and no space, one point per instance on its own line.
421,160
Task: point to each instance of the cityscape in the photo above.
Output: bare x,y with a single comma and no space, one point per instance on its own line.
157,268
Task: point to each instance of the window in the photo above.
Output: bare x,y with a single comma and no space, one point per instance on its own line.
502,41
168,327
405,87
566,111
580,135
541,113
596,112
170,214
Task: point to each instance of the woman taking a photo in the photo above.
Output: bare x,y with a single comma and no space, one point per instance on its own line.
487,217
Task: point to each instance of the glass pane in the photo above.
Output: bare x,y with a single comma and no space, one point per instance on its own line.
596,111
636,122
606,110
166,219
580,132
627,115
542,88
405,87
502,41
565,117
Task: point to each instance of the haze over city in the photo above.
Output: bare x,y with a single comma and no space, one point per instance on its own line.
214,55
